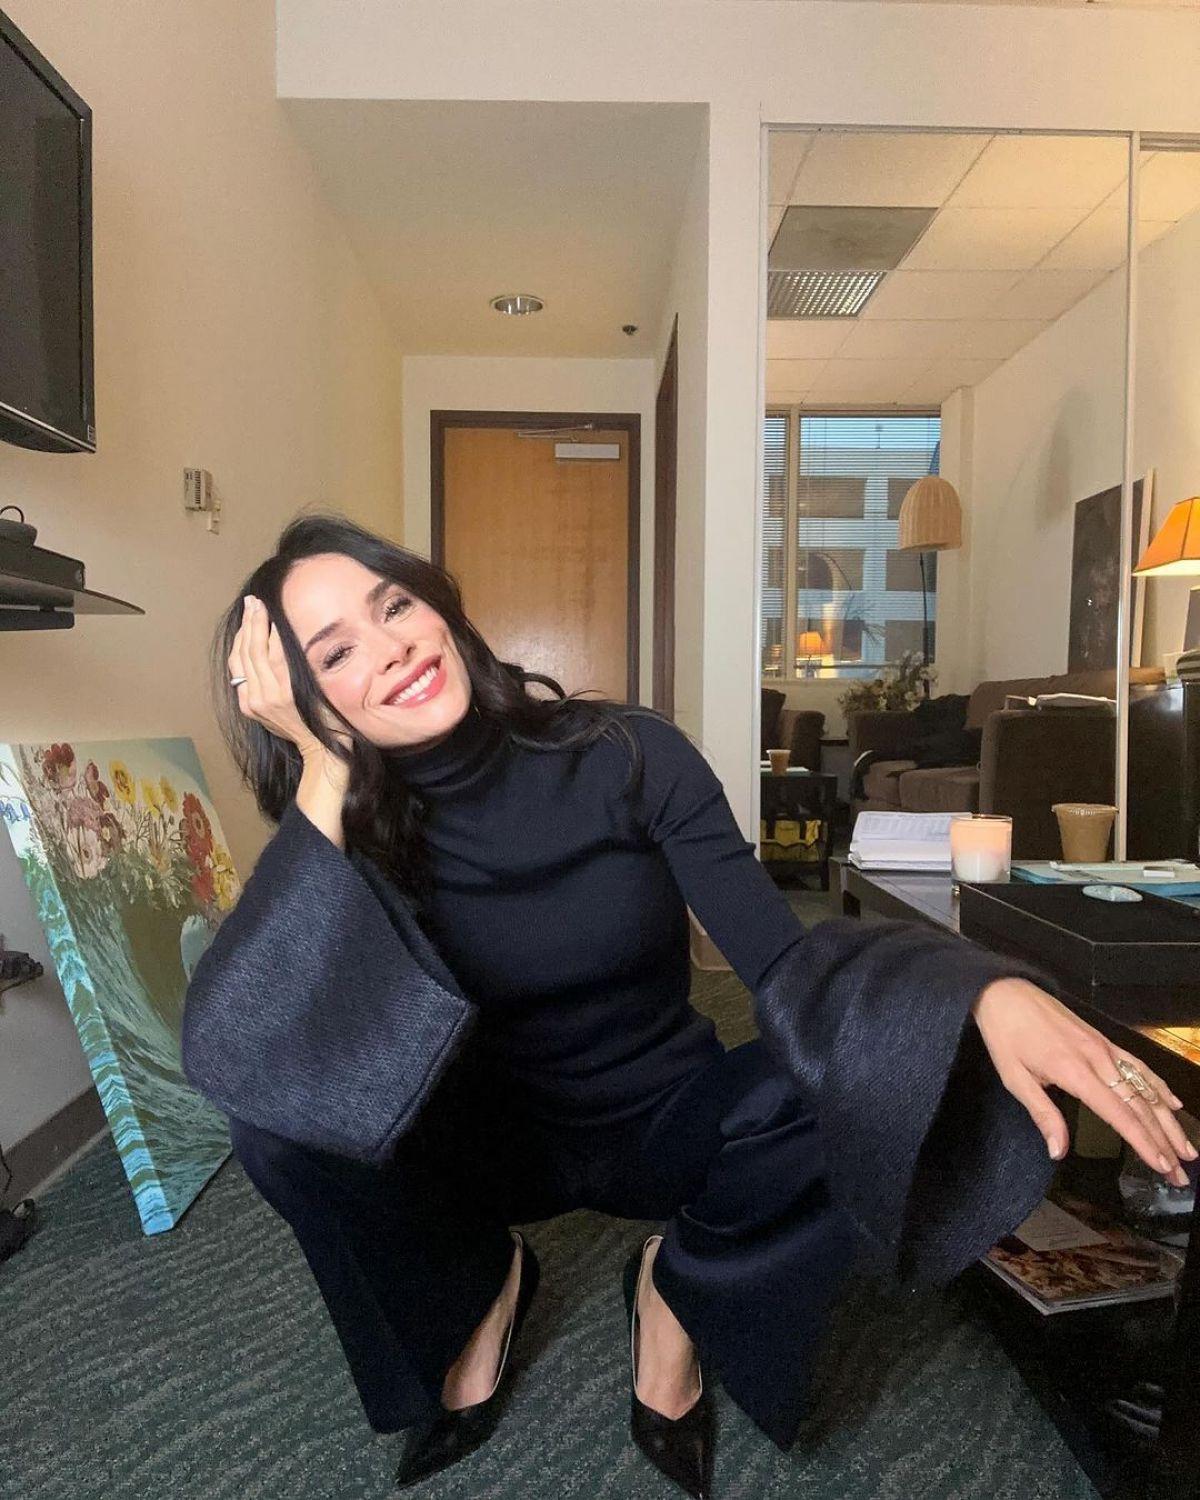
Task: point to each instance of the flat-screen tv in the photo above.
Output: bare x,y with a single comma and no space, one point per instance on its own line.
46,395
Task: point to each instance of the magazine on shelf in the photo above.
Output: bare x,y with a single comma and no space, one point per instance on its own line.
1069,1255
901,841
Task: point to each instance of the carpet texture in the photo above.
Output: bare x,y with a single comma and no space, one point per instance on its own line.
200,1364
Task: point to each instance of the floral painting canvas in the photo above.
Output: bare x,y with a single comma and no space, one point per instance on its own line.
130,877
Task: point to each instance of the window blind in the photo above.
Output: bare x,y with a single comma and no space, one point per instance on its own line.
833,486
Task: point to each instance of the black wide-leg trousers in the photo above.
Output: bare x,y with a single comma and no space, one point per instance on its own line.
409,1257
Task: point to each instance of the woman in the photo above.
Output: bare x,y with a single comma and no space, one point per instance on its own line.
549,847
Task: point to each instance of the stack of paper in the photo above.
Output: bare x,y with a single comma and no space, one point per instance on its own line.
901,841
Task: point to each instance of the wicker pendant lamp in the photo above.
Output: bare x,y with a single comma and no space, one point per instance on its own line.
931,516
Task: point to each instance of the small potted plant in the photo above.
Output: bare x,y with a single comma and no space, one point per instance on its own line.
901,690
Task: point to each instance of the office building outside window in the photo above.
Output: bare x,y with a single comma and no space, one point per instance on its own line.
839,599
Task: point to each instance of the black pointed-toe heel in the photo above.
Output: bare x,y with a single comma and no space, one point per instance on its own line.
679,1447
451,1435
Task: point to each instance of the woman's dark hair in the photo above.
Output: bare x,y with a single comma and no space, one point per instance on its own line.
382,816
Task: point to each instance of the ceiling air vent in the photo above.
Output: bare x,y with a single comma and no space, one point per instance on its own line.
819,294
825,262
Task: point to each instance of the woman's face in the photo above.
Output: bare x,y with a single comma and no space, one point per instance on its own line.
365,638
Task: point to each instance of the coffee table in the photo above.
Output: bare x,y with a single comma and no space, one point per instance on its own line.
1170,1468
797,792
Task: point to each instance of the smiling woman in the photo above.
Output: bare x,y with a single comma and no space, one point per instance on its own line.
403,1091
357,624
377,652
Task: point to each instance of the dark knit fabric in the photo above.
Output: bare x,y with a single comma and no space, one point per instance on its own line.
927,1151
321,1011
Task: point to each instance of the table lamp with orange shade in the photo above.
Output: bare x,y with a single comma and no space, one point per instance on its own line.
1175,552
810,643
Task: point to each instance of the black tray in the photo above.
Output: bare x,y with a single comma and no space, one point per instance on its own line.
1137,960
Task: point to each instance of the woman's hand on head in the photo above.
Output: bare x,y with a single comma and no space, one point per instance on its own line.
266,695
1035,1041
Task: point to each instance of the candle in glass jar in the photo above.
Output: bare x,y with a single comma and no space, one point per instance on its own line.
981,847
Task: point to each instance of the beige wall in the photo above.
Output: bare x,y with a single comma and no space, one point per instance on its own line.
687,302
453,383
824,62
1047,432
234,331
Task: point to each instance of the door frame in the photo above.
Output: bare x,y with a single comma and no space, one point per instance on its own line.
666,453
627,422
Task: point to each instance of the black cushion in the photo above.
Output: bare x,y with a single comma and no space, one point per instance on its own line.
947,712
948,747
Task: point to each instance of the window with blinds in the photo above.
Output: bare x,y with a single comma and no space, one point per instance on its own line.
839,599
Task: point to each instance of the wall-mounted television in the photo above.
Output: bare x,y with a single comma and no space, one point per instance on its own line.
46,394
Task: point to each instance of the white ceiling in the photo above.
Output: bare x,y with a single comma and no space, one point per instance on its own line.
1108,4
452,203
1026,226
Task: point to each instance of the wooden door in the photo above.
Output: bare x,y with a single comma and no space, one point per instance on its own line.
545,548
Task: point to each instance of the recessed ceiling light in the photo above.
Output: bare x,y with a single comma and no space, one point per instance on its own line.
517,304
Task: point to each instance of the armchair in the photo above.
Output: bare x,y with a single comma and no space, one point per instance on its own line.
800,729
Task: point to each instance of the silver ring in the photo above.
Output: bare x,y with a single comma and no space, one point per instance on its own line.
236,681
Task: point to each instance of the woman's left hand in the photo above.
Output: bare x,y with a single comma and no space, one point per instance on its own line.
1034,1040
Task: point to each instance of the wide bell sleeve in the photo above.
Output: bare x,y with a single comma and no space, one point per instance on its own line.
925,1149
320,1011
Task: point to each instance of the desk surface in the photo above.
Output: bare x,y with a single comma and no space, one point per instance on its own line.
1169,1469
1173,1051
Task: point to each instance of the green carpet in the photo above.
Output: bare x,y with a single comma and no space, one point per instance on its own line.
201,1363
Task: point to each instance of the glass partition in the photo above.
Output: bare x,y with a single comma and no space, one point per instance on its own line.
946,336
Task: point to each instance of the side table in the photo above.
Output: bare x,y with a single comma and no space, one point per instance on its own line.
799,792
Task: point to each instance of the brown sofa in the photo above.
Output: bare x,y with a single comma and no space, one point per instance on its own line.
800,729
1031,759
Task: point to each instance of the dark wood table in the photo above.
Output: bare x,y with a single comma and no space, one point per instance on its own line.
1169,1469
797,792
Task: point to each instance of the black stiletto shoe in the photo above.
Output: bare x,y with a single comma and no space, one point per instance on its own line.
451,1435
679,1447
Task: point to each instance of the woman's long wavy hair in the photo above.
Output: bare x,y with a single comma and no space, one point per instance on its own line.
382,816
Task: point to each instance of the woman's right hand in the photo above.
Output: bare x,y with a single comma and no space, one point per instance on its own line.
266,695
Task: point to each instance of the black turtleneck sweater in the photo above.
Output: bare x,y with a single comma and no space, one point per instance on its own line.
560,907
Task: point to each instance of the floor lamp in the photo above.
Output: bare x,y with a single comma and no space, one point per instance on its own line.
930,521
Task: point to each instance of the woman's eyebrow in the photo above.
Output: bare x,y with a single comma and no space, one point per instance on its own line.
373,595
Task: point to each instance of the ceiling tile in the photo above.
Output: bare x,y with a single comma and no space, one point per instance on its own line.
1098,244
788,149
862,380
870,169
993,340
990,239
1032,171
790,378
806,338
939,294
883,338
1169,185
1045,295
940,379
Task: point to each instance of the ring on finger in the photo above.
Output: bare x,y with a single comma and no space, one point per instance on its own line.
1136,1080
